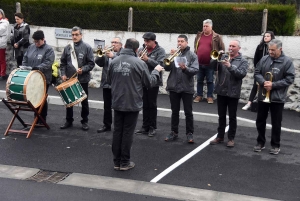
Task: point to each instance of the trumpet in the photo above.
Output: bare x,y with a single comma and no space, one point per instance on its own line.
168,60
220,57
268,77
143,52
101,52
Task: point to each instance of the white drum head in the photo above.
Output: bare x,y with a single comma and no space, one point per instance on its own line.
35,88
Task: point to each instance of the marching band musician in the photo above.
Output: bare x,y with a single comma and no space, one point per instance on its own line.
230,73
40,56
77,58
283,74
104,61
153,55
180,85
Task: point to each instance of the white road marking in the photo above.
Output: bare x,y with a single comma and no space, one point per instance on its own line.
185,158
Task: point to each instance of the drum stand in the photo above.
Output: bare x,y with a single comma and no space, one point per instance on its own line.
16,106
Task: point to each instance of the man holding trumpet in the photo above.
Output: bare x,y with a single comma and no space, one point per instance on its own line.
103,60
272,93
152,54
183,65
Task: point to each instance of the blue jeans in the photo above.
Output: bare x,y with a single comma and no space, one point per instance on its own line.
205,71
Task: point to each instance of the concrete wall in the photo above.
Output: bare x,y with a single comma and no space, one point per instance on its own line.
291,46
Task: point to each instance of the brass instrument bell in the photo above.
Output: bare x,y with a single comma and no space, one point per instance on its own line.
170,59
268,77
101,52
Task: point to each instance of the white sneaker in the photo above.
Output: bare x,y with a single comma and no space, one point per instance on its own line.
246,107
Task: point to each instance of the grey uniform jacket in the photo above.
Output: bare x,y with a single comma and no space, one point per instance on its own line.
85,59
104,62
40,57
283,72
182,81
229,80
156,57
127,74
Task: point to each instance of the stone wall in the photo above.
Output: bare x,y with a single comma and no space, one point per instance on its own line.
168,41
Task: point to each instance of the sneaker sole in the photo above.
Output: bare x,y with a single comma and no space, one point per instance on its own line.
117,168
259,150
127,168
275,153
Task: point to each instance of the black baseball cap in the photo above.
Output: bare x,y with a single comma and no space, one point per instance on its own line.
149,36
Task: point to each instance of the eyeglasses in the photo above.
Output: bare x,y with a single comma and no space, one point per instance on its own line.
114,42
76,34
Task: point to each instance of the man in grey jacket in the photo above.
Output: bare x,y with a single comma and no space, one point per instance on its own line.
153,56
127,75
104,62
274,88
180,85
40,56
81,65
230,73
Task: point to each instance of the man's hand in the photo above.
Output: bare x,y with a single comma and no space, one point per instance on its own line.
159,68
226,63
182,66
268,85
64,78
16,45
109,54
79,71
145,57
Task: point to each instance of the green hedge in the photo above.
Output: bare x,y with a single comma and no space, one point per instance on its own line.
170,17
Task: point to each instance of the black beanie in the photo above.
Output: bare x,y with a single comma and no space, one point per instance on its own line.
38,35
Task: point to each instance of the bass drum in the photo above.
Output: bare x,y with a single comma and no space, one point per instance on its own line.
26,85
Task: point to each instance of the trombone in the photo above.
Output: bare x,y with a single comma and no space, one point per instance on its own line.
268,77
101,52
170,59
143,52
220,57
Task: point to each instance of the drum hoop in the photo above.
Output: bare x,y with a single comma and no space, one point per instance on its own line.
77,101
8,83
26,82
63,85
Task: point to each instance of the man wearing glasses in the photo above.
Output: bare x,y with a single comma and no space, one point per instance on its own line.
40,56
77,58
104,61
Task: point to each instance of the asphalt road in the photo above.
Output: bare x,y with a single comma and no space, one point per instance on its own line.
217,168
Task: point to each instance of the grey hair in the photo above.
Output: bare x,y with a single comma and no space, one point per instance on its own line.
3,14
276,42
76,28
119,39
238,42
208,21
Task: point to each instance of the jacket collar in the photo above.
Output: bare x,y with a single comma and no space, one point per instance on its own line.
128,51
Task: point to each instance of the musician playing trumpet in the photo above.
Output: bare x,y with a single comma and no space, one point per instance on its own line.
180,85
152,54
104,61
282,70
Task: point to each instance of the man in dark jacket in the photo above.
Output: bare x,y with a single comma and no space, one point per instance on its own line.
153,56
230,74
40,56
180,85
77,58
104,61
127,75
274,73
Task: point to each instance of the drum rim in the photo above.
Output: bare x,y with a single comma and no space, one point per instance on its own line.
70,81
25,86
8,84
77,101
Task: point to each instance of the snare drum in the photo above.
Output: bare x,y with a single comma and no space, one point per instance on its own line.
71,92
26,85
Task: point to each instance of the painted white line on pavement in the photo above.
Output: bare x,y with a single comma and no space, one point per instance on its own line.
185,158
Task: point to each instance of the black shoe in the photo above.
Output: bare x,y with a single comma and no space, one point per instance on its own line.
151,132
85,126
127,167
103,129
142,131
66,125
190,138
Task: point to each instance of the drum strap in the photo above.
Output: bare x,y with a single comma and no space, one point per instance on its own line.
73,56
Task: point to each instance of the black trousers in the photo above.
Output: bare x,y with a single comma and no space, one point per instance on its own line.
150,107
107,117
276,119
225,102
253,91
124,125
84,107
44,112
187,100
